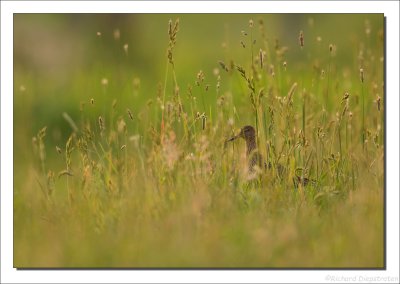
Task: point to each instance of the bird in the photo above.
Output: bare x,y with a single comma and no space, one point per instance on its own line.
248,133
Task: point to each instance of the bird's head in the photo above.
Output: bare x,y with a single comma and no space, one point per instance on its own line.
247,132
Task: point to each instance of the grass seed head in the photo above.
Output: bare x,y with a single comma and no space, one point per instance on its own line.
301,39
362,75
101,124
200,76
378,103
291,91
204,121
261,58
223,66
251,23
172,33
129,114
345,96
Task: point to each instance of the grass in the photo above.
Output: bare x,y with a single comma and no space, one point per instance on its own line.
147,180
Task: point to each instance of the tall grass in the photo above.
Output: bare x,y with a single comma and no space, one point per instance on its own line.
159,187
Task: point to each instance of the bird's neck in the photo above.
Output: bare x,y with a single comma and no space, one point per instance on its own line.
251,145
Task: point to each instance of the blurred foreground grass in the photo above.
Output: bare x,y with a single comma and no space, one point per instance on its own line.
119,153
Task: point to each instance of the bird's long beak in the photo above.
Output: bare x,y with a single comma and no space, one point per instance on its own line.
233,138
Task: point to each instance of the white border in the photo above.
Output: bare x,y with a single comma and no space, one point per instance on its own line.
10,275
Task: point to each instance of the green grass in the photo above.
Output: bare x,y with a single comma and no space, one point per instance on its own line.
142,176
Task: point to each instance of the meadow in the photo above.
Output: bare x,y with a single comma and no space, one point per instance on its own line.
120,130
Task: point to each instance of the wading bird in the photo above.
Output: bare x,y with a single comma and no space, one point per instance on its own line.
255,158
248,133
